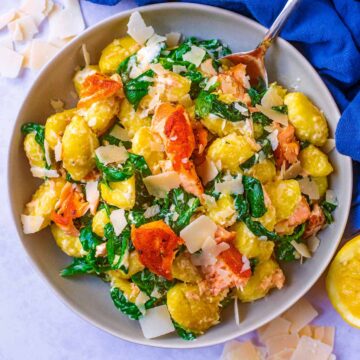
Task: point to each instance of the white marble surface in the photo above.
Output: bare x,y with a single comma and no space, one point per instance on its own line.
34,323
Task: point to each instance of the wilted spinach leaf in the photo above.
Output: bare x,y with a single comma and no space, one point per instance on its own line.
125,306
254,196
137,88
260,118
39,131
184,334
77,267
207,103
327,209
88,239
281,108
283,247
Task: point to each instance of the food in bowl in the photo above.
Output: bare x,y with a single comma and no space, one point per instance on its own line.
177,181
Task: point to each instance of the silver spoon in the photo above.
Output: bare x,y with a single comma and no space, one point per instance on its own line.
254,59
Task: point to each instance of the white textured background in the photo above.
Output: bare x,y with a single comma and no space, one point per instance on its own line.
34,323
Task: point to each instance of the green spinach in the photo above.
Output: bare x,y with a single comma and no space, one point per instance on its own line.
125,306
281,108
184,334
254,196
39,131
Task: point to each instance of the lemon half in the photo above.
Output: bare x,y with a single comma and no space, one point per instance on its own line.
343,282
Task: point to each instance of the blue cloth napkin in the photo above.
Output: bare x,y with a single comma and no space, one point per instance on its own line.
327,32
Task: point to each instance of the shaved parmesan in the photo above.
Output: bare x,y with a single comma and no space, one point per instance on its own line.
38,9
31,223
271,98
313,243
211,82
92,195
66,22
10,63
311,349
277,343
118,219
58,151
282,355
301,314
155,39
293,171
172,39
197,232
233,186
27,26
273,138
329,146
158,69
306,331
159,185
41,172
15,31
195,55
137,28
111,154
160,316
278,326
151,211
47,153
329,336
301,248
210,251
6,18
309,187
236,311
330,197
207,171
178,69
7,42
119,133
57,105
40,53
140,301
235,350
274,115
86,55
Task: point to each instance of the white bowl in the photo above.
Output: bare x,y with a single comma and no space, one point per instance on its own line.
89,296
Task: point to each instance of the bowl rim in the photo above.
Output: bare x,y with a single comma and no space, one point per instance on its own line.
211,10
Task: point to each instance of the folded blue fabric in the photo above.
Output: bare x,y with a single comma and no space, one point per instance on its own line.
327,32
105,2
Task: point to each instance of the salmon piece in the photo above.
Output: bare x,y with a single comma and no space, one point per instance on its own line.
201,140
173,125
288,148
98,87
299,216
316,221
70,206
276,279
230,270
156,244
223,235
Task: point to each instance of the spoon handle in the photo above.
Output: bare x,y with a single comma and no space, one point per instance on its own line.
279,22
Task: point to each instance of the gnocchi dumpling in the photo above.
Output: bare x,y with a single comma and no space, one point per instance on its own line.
322,184
120,194
183,269
135,266
250,245
100,114
315,162
44,199
264,171
131,119
82,74
78,148
34,151
149,145
69,244
99,221
309,122
191,309
117,51
230,152
267,275
284,195
222,211
130,290
55,126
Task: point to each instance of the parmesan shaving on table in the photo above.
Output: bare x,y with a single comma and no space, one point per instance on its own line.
288,337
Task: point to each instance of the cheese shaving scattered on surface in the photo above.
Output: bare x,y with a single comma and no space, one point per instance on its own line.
92,195
172,39
41,172
288,337
276,116
159,185
195,55
6,18
207,171
10,62
40,53
310,188
57,105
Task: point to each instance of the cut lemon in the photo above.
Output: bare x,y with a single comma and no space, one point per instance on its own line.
343,282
